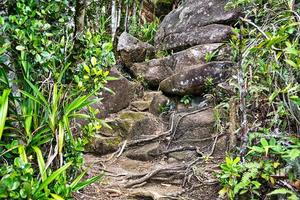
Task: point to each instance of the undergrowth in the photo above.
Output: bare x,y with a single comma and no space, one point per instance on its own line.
44,86
266,50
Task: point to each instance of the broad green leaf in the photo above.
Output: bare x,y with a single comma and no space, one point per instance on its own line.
86,68
292,63
264,142
273,96
236,160
284,191
228,160
294,153
20,48
93,61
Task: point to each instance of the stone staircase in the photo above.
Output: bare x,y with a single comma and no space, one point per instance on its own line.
159,148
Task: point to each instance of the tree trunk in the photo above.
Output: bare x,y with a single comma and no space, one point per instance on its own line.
114,19
134,10
119,13
79,18
140,12
126,18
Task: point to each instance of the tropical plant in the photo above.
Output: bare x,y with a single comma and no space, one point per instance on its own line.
145,32
44,86
266,50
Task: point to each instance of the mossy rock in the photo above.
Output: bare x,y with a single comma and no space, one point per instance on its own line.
135,125
103,145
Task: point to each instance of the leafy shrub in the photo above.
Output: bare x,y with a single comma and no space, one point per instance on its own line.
145,32
43,89
253,177
266,49
186,100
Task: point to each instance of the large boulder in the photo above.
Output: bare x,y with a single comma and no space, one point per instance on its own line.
136,125
121,98
195,22
156,70
198,79
144,153
197,130
159,104
152,72
197,55
125,125
133,50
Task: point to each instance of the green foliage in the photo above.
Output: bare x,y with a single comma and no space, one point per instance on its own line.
251,177
166,107
163,53
45,82
145,32
210,56
268,84
186,100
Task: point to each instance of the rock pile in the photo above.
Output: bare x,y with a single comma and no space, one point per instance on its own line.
197,31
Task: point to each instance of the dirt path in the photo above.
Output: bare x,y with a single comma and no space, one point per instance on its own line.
158,179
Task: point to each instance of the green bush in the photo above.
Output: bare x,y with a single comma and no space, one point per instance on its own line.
145,32
266,50
44,85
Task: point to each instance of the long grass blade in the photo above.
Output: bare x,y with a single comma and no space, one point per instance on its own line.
56,196
3,110
38,93
41,162
87,182
61,134
53,176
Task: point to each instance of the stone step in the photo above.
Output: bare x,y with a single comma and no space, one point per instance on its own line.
125,125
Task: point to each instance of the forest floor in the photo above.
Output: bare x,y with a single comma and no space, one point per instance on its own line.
159,179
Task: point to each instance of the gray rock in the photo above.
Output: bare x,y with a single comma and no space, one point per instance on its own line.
214,33
136,90
140,105
197,130
153,72
198,79
101,145
125,125
136,125
195,22
149,95
196,55
113,103
133,50
144,153
158,103
156,70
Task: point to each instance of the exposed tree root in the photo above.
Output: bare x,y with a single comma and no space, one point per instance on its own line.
164,173
173,170
174,128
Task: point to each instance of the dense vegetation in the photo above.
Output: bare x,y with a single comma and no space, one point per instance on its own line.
266,48
48,74
55,58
